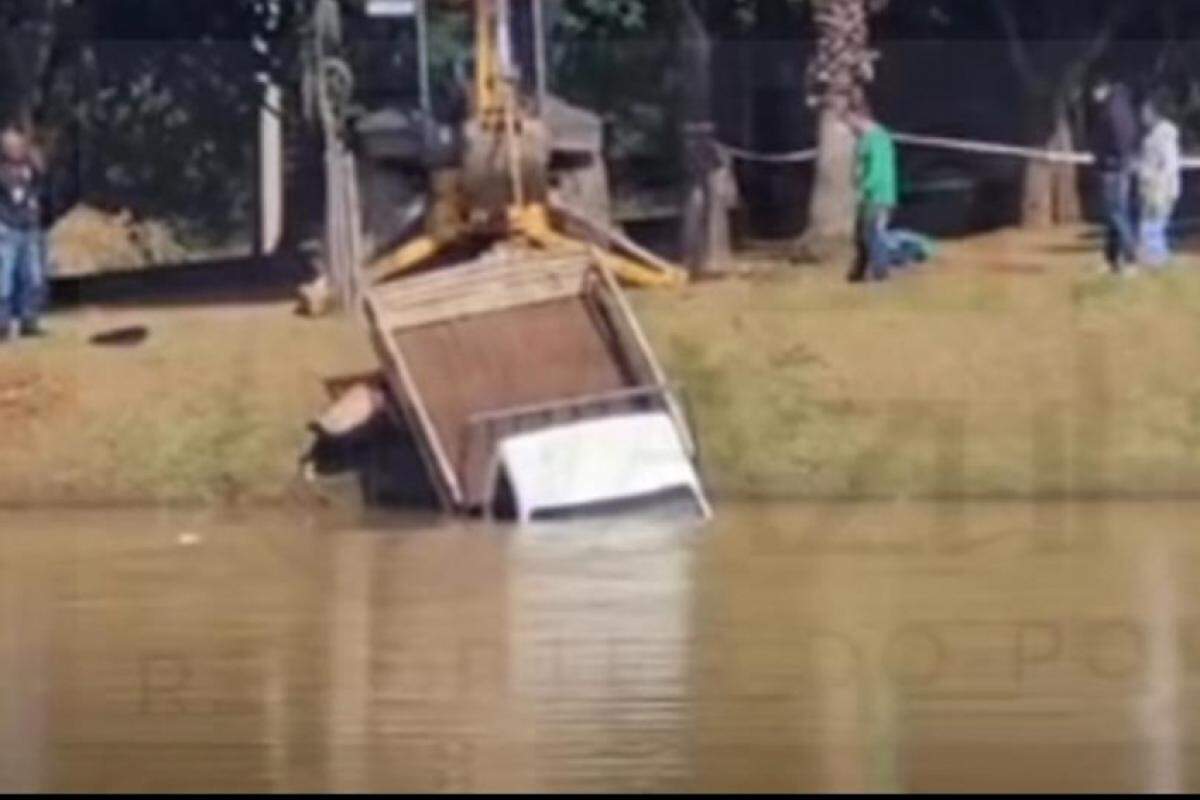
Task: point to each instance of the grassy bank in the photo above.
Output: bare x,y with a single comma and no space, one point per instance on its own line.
1009,368
210,408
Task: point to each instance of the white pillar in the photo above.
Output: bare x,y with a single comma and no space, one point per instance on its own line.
270,167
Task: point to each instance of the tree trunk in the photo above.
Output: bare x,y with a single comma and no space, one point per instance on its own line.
832,206
838,74
704,232
1050,193
706,237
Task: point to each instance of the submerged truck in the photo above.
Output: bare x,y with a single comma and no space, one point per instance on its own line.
530,388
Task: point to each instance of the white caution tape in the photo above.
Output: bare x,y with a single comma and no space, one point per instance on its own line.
992,148
1032,153
944,143
793,157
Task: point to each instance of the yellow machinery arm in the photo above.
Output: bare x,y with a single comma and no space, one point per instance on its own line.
503,188
488,78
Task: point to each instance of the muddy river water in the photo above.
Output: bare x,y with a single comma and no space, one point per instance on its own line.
784,647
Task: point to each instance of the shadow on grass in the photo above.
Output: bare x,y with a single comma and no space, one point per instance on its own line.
1073,249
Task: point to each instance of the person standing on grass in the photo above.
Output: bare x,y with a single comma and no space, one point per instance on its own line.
1159,183
1115,144
22,241
877,185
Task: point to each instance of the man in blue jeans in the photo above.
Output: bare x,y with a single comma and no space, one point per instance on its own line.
1116,140
22,241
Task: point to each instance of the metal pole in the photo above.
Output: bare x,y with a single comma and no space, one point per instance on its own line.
423,57
540,44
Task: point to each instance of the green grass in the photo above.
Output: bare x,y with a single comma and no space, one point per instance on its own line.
210,410
968,379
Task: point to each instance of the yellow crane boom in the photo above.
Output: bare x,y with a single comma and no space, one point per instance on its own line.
503,187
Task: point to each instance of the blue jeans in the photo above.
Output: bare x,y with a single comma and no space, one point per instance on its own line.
1155,248
874,254
1120,245
22,275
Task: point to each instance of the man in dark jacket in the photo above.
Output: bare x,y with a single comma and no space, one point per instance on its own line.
1115,142
22,242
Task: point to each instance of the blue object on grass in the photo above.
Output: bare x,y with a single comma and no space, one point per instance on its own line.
907,247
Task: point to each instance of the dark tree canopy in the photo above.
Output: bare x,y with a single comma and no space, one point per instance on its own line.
146,104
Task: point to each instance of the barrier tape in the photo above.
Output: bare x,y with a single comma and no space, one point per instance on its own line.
992,148
943,143
794,157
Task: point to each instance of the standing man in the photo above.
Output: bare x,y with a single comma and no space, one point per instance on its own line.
22,243
877,185
1115,141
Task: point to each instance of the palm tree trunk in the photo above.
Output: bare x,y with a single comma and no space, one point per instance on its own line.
1050,194
832,205
837,77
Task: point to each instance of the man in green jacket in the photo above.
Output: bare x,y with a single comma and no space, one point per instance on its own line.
877,183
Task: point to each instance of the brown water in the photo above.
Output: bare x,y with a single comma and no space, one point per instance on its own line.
999,647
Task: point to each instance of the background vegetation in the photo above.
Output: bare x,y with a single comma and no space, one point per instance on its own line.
150,107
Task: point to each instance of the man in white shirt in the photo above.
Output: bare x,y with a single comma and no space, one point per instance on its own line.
1158,184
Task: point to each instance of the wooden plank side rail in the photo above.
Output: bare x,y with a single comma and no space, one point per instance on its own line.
583,401
444,310
416,415
659,374
480,276
497,288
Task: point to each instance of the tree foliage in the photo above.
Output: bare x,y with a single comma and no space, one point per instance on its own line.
844,63
163,122
605,19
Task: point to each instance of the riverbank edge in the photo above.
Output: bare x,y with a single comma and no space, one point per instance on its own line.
801,388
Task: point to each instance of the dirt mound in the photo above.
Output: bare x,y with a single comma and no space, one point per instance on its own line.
88,240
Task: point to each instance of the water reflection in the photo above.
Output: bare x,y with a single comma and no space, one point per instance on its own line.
794,648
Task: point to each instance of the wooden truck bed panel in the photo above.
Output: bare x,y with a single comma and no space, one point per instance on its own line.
477,289
523,356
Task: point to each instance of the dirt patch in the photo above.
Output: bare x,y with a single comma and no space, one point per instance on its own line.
28,394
